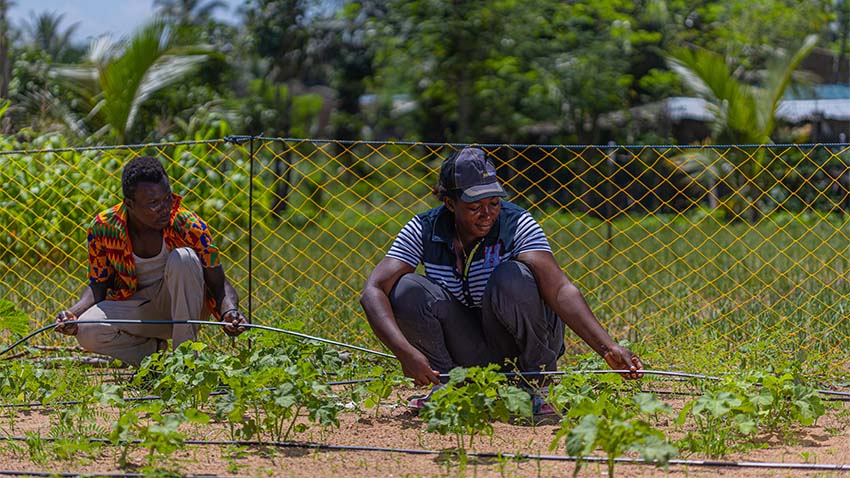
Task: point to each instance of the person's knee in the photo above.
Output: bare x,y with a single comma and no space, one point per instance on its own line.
408,294
184,265
512,279
183,257
91,336
410,289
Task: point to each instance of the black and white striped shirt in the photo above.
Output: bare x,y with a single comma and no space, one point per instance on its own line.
427,239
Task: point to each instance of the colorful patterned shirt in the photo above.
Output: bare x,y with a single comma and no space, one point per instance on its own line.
111,252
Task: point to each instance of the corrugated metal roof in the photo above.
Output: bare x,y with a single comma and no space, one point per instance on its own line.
792,111
797,111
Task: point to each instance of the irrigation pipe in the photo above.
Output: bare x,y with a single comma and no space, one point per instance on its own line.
195,322
146,398
845,395
474,454
374,352
643,371
93,475
832,396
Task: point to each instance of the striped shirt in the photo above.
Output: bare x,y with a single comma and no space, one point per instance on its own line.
427,240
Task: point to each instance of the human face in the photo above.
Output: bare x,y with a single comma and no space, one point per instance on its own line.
474,219
151,206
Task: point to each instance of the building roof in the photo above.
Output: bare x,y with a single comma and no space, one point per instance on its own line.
798,111
680,108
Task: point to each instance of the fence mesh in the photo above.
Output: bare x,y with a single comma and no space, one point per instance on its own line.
716,248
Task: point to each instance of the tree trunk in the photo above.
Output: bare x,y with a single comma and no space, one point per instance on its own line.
282,163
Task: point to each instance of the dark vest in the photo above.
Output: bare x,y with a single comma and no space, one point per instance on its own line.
438,231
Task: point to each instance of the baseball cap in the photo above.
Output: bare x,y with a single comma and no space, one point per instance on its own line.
472,174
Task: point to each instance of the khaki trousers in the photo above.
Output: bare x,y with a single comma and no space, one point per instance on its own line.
178,296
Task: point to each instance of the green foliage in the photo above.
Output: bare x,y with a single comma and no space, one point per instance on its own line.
751,31
470,401
122,76
616,428
277,386
740,407
187,376
381,386
24,381
50,198
156,429
12,319
743,114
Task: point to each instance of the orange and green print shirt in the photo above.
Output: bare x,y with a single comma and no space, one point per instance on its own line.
111,253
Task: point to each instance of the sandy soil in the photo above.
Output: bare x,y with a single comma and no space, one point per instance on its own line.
828,442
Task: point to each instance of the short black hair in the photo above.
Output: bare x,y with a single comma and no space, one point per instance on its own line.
142,169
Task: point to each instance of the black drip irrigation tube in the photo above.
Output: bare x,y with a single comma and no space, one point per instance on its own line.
474,454
194,322
94,475
147,398
833,395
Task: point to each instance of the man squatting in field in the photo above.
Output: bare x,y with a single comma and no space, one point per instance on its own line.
149,258
492,290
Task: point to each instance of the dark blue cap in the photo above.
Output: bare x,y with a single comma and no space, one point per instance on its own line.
469,172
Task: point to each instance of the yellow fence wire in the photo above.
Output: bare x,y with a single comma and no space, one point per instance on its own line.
718,248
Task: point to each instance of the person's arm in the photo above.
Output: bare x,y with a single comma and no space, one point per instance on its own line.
376,304
100,276
567,301
226,299
92,294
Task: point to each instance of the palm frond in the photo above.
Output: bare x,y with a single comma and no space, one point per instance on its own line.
780,74
122,75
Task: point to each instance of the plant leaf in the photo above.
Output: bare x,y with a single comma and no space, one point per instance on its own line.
13,319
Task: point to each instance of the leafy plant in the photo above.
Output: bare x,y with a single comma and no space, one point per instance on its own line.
740,407
279,385
381,386
721,417
155,429
12,319
186,376
120,76
615,430
473,397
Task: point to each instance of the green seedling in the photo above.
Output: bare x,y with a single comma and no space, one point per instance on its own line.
154,428
721,417
186,376
381,386
472,399
273,392
616,429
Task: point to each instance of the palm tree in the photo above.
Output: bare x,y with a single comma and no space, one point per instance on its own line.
743,114
188,12
120,76
46,34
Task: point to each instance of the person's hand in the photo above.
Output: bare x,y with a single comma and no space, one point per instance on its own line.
416,366
235,322
621,358
67,329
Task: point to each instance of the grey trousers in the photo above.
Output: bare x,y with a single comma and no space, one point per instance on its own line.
178,296
513,323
